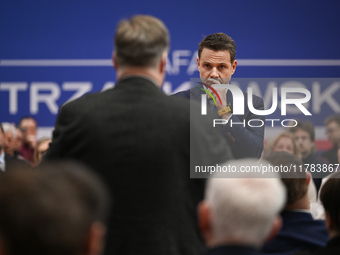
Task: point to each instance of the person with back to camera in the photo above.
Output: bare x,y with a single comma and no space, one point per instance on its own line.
239,214
139,140
58,208
329,196
299,230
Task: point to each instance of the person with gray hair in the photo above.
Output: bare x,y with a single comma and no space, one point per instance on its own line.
7,162
241,211
139,140
9,134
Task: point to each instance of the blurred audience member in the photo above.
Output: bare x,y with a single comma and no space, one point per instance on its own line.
299,230
239,214
10,134
2,151
317,209
57,209
18,141
285,142
329,195
304,136
7,162
28,126
333,132
40,149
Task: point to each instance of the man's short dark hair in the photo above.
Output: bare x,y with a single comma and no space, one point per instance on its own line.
141,41
27,118
329,196
50,210
295,181
335,118
218,42
306,126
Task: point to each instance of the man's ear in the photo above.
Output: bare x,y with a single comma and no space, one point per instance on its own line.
308,177
329,222
95,239
163,62
204,221
114,60
234,66
198,63
275,229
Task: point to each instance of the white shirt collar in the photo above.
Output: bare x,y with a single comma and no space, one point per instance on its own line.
2,160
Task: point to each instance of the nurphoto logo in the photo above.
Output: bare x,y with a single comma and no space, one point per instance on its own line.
238,104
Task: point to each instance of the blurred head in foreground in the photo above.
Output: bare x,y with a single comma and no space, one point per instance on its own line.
241,211
57,209
296,181
330,199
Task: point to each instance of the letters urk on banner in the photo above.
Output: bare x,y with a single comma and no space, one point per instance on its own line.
238,103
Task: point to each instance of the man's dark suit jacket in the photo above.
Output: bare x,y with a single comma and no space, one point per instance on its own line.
12,164
331,155
313,159
245,142
233,250
332,248
299,232
138,140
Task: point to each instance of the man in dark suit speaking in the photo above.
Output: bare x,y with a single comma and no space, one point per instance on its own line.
139,140
216,64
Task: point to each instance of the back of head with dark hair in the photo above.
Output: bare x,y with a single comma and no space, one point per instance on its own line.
218,42
329,196
25,118
306,126
334,117
50,210
295,181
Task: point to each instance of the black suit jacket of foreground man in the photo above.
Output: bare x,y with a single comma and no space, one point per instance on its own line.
138,139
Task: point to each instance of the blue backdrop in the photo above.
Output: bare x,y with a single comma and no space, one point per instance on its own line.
51,51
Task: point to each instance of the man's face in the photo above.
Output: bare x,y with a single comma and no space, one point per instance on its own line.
9,143
29,128
284,144
333,132
2,141
304,142
216,64
18,139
